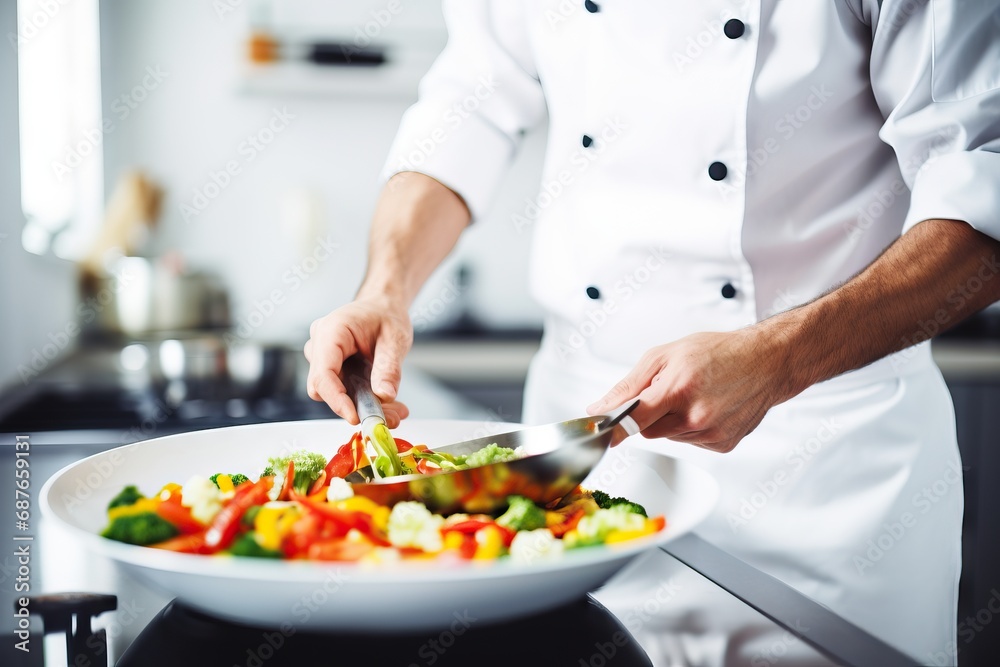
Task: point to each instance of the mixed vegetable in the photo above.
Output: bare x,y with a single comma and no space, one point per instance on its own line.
300,507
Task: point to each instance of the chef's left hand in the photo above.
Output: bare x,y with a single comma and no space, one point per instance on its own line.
707,389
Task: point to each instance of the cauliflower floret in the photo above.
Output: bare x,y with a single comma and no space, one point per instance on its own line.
538,544
411,524
381,556
203,497
275,490
338,490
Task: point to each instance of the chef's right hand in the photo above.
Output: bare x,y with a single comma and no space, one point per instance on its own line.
373,326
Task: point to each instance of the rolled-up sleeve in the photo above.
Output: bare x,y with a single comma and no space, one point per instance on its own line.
474,104
935,71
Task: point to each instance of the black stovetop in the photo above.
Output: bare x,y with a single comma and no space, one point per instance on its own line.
55,409
582,632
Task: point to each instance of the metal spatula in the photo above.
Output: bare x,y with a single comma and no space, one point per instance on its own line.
555,459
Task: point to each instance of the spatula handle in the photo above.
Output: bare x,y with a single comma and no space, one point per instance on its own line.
357,376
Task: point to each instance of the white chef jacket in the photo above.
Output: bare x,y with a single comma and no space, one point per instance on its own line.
710,164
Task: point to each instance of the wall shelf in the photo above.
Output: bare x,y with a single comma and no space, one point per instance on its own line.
395,79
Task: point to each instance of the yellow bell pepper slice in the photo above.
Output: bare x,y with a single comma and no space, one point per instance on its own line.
272,523
138,507
225,483
453,540
626,535
169,489
489,543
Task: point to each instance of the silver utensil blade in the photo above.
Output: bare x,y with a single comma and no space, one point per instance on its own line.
555,459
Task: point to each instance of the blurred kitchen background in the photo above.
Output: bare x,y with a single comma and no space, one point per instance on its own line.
185,185
233,148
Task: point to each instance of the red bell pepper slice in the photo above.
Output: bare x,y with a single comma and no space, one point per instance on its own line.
467,526
348,456
173,511
337,549
425,467
568,523
343,518
467,549
187,544
226,524
472,525
343,463
305,532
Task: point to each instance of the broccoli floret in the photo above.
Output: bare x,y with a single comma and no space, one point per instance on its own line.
214,479
602,499
491,453
606,502
522,514
268,472
246,545
308,466
127,496
629,506
142,529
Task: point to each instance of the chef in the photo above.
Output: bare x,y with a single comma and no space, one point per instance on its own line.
753,216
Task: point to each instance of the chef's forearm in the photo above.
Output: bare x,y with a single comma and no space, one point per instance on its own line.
416,223
933,277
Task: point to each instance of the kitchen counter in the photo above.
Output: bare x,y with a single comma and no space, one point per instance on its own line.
436,370
967,359
474,359
503,358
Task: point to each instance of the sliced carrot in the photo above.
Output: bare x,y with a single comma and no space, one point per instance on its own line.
318,485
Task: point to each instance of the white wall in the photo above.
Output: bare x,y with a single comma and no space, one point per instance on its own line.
194,121
36,294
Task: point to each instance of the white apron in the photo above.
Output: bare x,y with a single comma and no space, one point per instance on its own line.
709,164
850,492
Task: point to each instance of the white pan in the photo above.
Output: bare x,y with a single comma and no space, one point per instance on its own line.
352,596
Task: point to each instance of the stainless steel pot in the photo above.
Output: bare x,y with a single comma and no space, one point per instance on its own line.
141,295
208,368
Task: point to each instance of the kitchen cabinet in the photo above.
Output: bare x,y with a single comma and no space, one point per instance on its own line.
972,370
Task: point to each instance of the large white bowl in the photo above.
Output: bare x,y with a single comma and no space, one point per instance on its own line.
352,596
